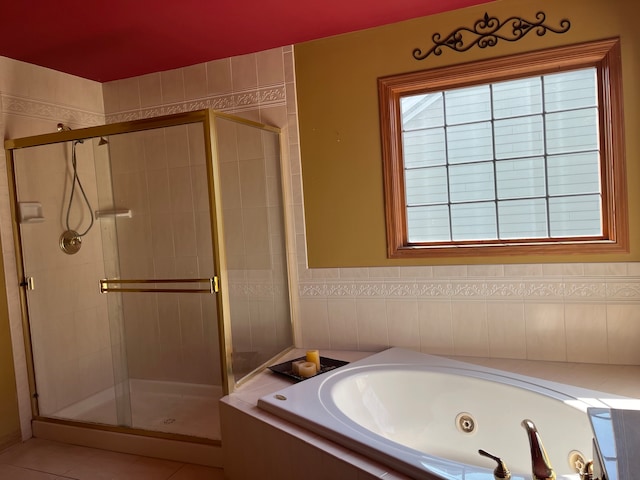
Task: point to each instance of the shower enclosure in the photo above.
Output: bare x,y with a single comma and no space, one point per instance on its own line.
152,262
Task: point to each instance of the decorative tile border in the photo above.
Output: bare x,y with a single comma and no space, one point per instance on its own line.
31,108
233,102
592,289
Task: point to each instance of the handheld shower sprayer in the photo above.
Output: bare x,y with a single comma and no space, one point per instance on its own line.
71,240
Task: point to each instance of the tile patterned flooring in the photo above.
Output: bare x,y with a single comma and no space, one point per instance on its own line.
38,459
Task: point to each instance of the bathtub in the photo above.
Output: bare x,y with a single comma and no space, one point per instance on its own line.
427,416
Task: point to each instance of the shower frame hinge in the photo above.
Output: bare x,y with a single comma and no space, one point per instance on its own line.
28,283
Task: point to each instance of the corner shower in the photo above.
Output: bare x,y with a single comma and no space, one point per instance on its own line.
181,287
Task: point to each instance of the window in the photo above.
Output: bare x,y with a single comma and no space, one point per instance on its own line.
517,155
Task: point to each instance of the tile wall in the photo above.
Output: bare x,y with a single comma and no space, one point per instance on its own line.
555,312
33,101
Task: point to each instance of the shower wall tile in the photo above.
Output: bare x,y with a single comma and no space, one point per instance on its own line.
195,81
150,89
125,97
180,189
244,72
172,86
183,227
197,154
158,190
273,115
177,140
155,150
270,67
219,77
252,183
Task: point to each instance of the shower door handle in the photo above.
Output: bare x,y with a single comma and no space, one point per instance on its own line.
28,282
105,285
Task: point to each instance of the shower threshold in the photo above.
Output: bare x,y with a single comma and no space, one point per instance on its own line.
160,406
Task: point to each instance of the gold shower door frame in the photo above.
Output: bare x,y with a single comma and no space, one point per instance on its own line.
215,285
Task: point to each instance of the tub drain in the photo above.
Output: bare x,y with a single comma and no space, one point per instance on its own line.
466,423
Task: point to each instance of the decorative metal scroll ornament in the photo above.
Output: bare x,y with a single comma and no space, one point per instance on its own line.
488,31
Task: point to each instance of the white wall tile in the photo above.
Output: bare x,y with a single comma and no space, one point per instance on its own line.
315,323
506,329
436,330
470,330
545,332
343,322
623,332
586,333
402,320
373,333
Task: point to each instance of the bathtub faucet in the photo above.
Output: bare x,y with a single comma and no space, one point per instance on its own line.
540,464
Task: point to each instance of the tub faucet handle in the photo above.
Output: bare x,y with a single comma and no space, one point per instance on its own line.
501,471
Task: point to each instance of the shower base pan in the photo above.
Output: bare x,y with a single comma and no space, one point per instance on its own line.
168,407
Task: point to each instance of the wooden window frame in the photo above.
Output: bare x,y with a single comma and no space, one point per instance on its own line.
605,56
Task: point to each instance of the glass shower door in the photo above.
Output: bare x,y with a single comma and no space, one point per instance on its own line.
125,233
160,275
122,312
72,370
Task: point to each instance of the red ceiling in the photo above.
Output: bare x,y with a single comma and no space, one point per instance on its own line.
106,40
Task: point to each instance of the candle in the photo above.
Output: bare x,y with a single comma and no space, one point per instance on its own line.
307,369
295,366
314,356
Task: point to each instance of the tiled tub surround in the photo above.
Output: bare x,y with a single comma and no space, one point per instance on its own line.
555,312
260,445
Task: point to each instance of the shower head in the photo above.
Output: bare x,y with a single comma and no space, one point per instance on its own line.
62,127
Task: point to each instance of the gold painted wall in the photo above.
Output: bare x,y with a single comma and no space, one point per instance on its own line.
339,127
9,419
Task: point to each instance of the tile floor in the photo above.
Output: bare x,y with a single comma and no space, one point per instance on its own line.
38,459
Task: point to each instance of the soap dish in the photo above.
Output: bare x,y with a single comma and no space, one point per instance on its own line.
286,369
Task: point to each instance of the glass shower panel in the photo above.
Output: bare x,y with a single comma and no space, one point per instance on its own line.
160,211
254,235
68,318
119,268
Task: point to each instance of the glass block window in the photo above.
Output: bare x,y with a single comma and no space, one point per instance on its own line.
517,159
524,153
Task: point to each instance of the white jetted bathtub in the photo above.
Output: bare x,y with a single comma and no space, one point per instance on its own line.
427,416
